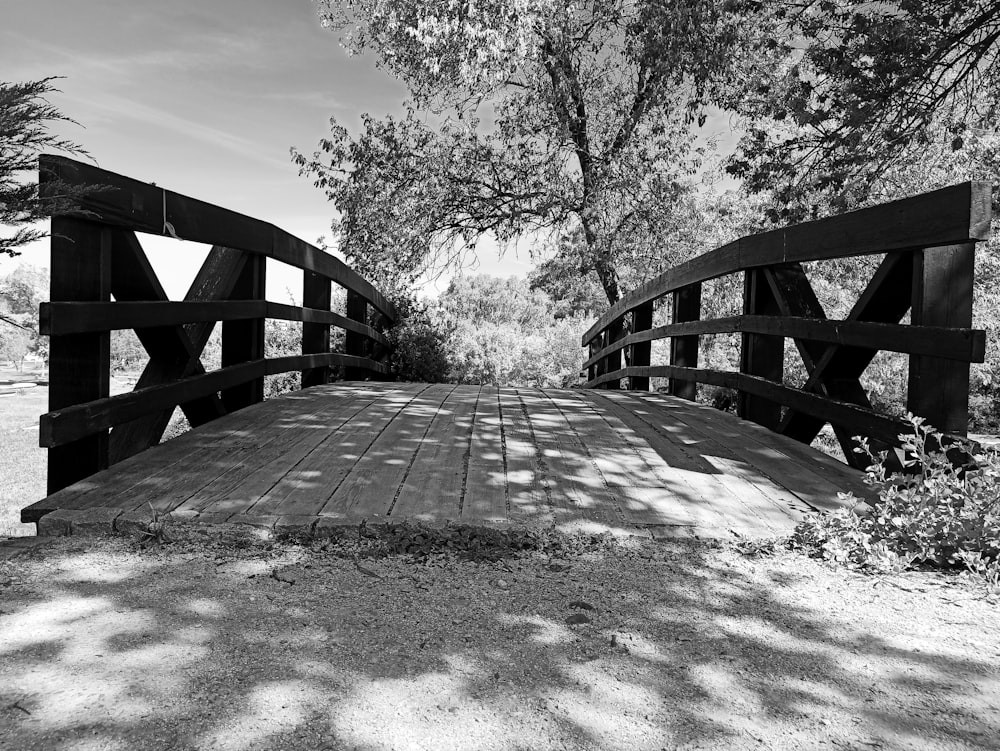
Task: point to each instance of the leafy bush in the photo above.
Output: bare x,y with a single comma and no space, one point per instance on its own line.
939,513
418,346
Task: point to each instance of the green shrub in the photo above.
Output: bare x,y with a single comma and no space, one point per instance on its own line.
418,346
937,513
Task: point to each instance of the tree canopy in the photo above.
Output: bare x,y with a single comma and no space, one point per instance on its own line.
866,87
524,117
26,117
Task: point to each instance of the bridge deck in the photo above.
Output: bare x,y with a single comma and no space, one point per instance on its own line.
578,459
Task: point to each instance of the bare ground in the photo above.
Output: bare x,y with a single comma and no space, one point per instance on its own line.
204,645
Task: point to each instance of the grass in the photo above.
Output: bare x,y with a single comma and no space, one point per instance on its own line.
22,462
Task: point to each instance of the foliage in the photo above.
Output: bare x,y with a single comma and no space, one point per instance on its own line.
560,117
939,513
501,332
21,291
864,88
281,339
418,345
25,119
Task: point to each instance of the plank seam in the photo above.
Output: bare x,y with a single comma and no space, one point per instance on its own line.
503,456
619,514
413,456
372,443
467,456
539,454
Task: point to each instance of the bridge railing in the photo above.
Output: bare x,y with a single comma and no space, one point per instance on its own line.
96,256
929,242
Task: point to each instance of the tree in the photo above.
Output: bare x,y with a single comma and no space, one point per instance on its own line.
21,291
866,87
540,116
25,119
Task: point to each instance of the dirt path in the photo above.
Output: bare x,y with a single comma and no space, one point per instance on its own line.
193,646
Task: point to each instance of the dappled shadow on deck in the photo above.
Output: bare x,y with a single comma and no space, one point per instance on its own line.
582,460
189,650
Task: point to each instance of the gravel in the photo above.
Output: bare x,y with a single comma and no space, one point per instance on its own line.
577,643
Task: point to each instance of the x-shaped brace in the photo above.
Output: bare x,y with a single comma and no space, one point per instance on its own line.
834,370
174,351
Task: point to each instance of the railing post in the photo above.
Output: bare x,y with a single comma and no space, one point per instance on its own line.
79,364
761,355
243,341
315,336
684,349
642,320
938,389
354,343
613,362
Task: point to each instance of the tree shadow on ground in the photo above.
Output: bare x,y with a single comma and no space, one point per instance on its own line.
687,645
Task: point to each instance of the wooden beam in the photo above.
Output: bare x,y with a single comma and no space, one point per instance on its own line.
761,355
143,207
642,320
315,336
938,389
355,344
958,214
684,349
243,341
79,364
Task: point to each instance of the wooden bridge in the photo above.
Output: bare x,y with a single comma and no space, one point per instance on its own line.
604,457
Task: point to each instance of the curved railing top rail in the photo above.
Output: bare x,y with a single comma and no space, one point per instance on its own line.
143,207
949,216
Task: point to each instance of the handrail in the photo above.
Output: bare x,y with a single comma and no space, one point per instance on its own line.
929,242
96,256
949,216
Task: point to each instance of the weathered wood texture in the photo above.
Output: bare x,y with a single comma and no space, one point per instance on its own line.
929,241
584,460
96,256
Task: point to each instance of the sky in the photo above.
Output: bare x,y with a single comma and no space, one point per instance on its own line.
205,98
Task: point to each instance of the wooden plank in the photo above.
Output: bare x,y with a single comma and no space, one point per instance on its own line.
315,315
285,443
485,494
144,207
79,364
958,214
74,318
636,475
163,465
850,416
577,490
799,473
308,483
526,492
371,486
708,501
965,344
433,487
838,473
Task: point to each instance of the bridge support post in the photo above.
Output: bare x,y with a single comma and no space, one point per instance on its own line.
761,355
642,320
354,343
684,349
938,389
79,364
612,362
243,341
315,336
